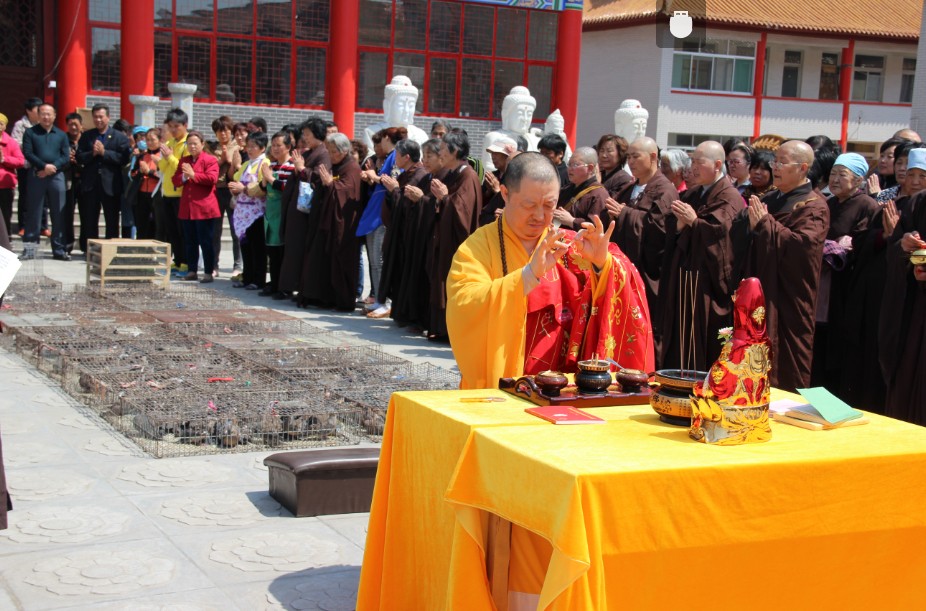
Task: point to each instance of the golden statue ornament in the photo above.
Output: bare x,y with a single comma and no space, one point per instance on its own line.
730,406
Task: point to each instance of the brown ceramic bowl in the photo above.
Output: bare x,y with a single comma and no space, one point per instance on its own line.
551,382
594,365
631,379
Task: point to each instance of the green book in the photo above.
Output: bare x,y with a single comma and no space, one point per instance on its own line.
824,407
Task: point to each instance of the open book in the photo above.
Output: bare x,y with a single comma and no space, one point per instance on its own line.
824,411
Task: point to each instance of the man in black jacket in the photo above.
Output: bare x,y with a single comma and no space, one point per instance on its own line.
101,153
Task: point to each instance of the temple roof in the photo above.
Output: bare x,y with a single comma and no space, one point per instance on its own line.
885,19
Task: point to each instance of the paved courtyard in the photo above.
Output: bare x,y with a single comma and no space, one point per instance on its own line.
97,524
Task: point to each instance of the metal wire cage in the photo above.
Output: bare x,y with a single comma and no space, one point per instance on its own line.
184,424
373,399
152,297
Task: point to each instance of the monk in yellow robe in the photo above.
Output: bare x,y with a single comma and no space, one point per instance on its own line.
523,297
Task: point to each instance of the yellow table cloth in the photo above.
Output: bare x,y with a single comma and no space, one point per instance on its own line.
407,555
641,517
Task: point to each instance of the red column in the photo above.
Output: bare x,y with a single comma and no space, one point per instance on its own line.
342,63
845,89
72,74
136,54
569,55
757,85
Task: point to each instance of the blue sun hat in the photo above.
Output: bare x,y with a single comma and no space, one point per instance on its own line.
917,159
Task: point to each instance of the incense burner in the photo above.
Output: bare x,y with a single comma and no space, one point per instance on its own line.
594,377
672,398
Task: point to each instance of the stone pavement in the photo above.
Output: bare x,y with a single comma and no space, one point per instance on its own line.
97,524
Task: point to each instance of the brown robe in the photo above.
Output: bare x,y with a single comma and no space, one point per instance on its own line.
332,256
591,203
457,217
640,231
297,228
861,379
785,252
702,251
491,201
849,218
400,216
614,181
902,326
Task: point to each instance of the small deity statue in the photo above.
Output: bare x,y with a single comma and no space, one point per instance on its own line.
517,114
630,120
555,124
399,103
730,406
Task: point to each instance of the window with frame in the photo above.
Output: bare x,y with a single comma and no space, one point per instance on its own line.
271,52
829,77
689,142
722,66
105,44
449,48
791,74
906,80
868,78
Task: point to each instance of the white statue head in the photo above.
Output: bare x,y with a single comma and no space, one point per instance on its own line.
399,102
630,120
518,110
555,124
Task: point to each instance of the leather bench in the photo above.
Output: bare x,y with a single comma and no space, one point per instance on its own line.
325,481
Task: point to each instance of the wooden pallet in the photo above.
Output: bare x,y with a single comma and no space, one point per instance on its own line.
127,261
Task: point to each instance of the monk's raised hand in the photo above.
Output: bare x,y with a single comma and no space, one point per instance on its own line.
614,207
592,242
413,193
889,217
912,241
389,182
685,214
438,189
548,251
325,175
756,210
564,218
874,185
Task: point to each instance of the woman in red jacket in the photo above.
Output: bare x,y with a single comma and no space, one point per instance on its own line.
11,159
198,205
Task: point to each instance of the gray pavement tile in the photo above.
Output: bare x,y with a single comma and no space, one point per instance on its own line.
35,485
211,599
72,523
96,574
332,588
204,511
352,526
184,475
268,551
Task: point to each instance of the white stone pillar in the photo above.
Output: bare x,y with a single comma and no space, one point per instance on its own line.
145,109
918,109
182,97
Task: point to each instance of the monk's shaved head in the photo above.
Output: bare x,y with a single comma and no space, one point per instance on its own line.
798,151
645,144
712,150
792,161
908,134
533,166
707,162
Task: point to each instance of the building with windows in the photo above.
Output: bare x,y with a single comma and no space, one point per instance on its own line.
797,69
287,59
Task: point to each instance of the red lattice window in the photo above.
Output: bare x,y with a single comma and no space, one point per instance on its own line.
473,54
243,51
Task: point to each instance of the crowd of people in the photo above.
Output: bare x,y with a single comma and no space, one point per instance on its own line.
830,238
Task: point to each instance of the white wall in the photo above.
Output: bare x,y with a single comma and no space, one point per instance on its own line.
800,119
616,65
873,123
704,114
